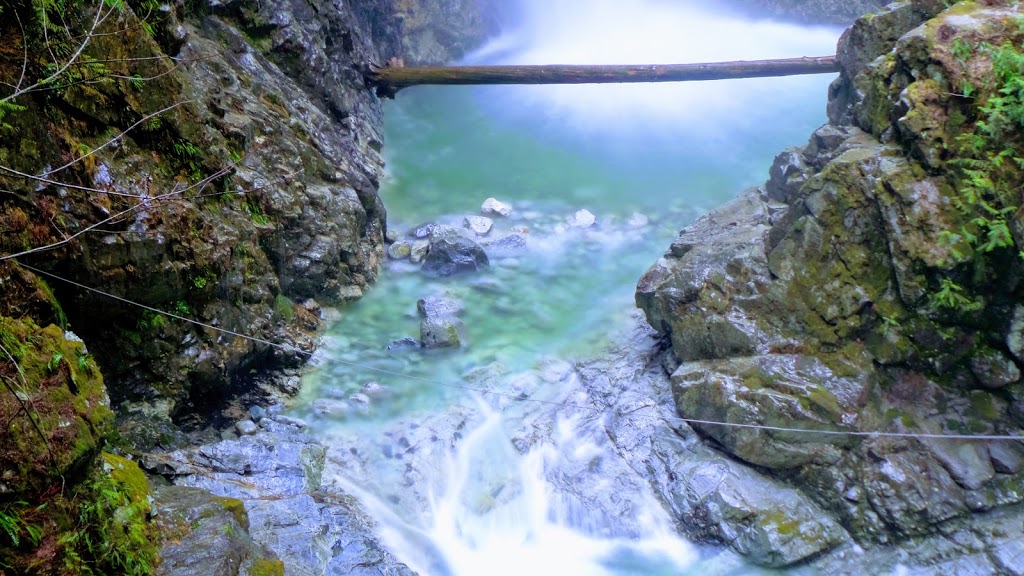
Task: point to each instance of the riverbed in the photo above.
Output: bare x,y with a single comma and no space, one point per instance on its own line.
491,457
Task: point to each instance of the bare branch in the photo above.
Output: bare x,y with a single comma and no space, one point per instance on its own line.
24,47
100,17
144,202
116,138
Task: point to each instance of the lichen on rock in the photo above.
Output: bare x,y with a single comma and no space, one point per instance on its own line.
871,254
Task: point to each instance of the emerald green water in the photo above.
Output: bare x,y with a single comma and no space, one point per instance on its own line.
666,153
451,148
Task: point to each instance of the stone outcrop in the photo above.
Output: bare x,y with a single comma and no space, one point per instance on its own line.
846,295
215,160
426,32
255,188
271,488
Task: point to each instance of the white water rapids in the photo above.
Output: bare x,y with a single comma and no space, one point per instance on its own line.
488,508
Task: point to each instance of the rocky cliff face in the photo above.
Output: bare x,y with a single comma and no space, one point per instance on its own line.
215,160
228,155
872,285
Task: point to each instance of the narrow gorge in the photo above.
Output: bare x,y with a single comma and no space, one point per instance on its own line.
255,320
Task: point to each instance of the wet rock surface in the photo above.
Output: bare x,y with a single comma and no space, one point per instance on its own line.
269,488
208,535
810,304
451,256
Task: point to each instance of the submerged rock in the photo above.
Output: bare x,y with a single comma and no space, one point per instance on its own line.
507,246
406,343
435,306
418,251
400,249
450,256
582,219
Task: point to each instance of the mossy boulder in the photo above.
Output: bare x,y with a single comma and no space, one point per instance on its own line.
786,391
208,535
885,252
54,404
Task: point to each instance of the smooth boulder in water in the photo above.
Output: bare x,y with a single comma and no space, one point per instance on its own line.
454,255
434,306
440,332
439,327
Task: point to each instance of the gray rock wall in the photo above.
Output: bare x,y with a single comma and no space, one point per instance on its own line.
253,192
822,301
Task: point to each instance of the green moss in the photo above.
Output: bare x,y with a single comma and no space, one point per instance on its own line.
778,522
822,398
129,476
264,567
69,416
983,407
758,378
284,307
237,509
62,320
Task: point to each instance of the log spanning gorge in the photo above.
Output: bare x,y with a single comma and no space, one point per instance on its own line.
390,79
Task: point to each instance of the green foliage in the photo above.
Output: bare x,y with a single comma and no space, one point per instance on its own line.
187,149
54,362
15,527
988,167
961,50
190,156
889,323
181,308
112,535
151,322
255,213
284,307
203,280
952,296
8,107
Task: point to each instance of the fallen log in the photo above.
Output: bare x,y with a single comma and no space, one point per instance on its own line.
388,80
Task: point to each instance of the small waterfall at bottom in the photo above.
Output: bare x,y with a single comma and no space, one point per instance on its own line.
494,511
460,485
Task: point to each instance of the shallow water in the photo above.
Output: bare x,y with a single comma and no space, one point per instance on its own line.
487,500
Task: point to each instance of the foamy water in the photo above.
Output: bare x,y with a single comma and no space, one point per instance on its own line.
667,150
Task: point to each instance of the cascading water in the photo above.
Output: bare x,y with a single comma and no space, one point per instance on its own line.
461,484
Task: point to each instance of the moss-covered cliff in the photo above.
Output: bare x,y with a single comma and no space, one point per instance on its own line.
218,161
873,285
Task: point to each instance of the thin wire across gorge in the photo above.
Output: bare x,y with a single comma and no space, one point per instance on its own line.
519,398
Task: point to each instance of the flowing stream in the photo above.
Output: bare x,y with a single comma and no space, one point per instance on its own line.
465,483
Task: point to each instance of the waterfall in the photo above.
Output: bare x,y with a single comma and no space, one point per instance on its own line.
468,488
